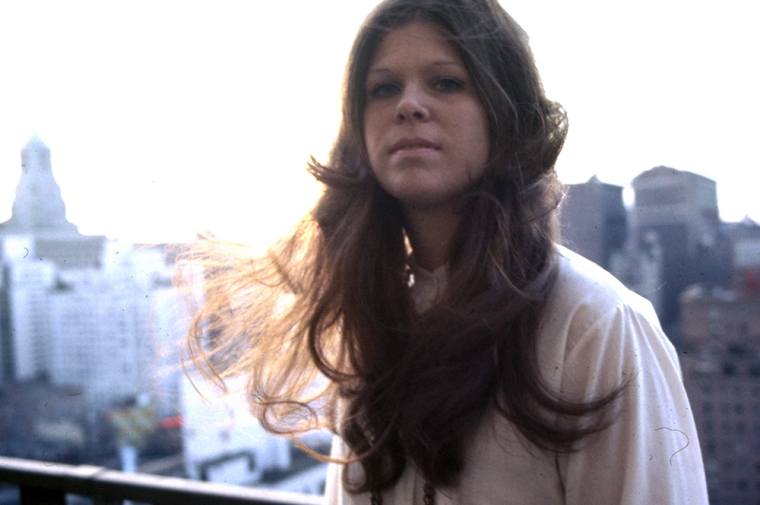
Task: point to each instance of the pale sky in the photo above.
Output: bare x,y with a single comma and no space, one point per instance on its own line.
166,118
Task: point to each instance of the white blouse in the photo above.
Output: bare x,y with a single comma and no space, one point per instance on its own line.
595,334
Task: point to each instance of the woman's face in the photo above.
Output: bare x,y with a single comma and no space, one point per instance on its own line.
425,129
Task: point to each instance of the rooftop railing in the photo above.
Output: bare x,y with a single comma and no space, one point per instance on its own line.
42,483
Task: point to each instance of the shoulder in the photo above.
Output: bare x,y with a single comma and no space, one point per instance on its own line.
593,326
597,336
583,284
584,295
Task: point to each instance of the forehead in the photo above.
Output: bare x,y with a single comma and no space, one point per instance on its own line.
413,43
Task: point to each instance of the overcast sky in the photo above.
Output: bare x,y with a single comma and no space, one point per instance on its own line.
165,118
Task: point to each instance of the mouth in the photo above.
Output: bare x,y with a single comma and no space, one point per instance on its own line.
409,144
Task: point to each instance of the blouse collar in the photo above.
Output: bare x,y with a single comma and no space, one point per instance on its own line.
427,287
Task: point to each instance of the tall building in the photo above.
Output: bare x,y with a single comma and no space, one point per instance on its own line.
682,207
594,222
38,208
75,309
678,210
40,213
7,366
97,334
28,313
35,242
721,365
743,239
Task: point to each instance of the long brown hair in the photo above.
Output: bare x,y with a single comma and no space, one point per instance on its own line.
324,325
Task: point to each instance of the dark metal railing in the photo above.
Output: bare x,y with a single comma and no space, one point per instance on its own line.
42,483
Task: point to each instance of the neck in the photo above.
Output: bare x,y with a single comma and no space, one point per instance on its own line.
431,232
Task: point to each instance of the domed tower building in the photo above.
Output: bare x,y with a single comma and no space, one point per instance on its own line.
36,242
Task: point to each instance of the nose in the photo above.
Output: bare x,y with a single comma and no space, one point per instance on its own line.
412,106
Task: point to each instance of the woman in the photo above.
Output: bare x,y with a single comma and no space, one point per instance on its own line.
468,358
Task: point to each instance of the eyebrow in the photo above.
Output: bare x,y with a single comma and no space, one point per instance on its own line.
434,64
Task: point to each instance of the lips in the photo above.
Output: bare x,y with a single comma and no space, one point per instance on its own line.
413,143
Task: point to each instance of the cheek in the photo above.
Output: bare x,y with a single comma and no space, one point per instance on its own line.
480,142
485,137
370,140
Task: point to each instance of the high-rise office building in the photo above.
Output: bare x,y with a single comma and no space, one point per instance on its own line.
76,309
681,207
594,220
721,365
35,243
678,210
40,214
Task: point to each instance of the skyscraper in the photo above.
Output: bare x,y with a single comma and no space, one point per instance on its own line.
40,213
681,207
679,211
594,220
75,308
38,207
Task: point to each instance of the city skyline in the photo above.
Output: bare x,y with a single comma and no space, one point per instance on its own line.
173,119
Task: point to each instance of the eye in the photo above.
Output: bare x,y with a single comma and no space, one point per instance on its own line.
448,84
383,90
